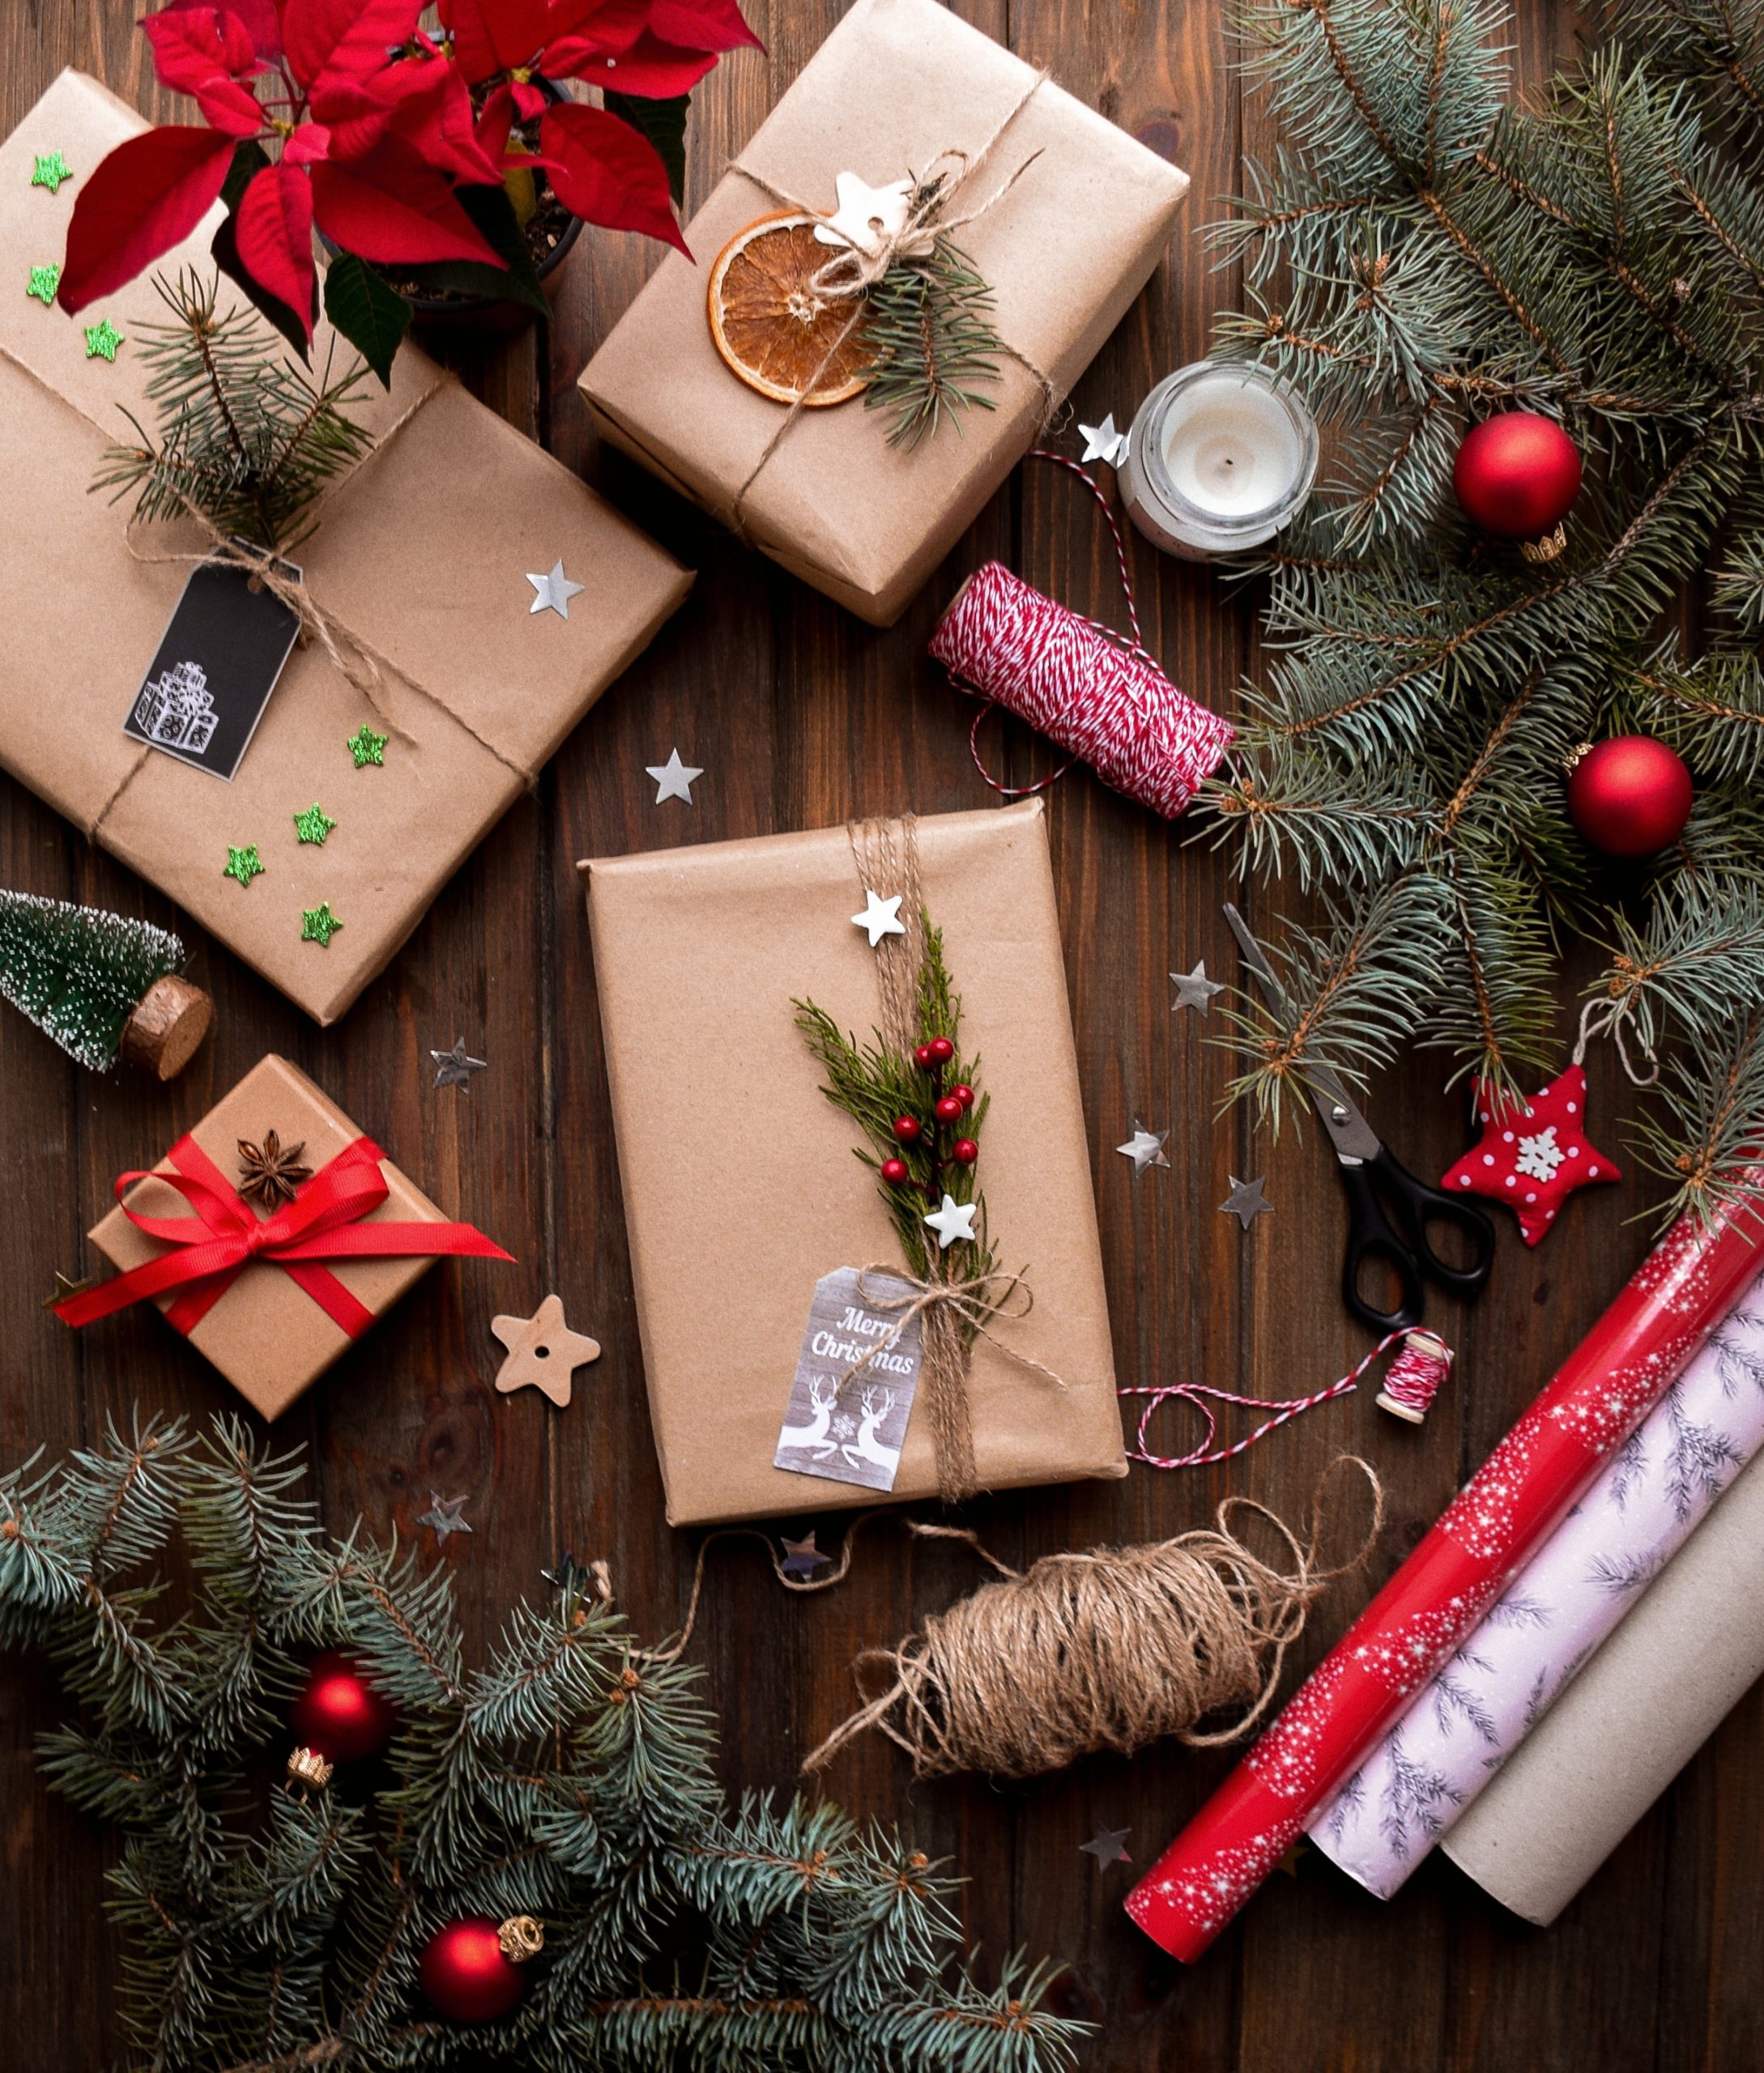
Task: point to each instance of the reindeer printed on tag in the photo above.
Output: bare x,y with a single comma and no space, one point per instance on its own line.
855,1378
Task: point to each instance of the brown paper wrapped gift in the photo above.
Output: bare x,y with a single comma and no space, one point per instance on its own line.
740,1187
266,1334
898,84
420,559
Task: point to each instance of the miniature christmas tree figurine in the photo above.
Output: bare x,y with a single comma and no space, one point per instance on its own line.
102,986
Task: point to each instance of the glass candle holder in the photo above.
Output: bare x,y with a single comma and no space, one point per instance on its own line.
1221,456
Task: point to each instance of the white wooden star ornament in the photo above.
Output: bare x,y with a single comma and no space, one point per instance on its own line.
866,216
543,1350
881,918
953,1221
674,779
1102,442
551,592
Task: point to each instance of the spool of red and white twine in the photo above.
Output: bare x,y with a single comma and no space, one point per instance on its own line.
1100,697
1414,1378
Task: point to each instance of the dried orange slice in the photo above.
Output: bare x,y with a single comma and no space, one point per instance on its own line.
772,328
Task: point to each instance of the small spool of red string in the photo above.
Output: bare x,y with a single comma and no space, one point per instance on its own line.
1100,697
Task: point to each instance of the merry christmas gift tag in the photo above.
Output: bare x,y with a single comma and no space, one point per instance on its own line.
216,664
845,1421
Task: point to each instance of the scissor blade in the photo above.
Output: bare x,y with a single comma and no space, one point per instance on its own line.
1256,959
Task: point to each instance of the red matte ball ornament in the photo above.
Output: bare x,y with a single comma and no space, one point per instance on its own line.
965,1151
342,1714
465,1974
894,1171
906,1128
942,1050
949,1110
1630,796
1517,475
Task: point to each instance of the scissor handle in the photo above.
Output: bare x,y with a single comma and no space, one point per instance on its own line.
1371,1237
1416,1204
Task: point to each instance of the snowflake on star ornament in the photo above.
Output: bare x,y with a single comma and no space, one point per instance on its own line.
1532,1154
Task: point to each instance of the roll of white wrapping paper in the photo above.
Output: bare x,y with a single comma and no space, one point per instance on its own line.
1631,1721
1425,1774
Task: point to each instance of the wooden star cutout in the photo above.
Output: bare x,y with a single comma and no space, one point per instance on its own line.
543,1349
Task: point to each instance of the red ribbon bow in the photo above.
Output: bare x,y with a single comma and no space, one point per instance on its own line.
323,1221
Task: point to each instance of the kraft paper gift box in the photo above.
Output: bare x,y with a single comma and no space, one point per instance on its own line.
898,83
267,1334
740,1187
420,557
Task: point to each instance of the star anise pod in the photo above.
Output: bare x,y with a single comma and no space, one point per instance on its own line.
271,1173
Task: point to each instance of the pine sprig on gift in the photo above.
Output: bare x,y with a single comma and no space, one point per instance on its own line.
1424,251
243,437
877,1086
79,973
927,325
569,1776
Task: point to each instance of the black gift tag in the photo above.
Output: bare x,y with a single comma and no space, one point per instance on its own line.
206,689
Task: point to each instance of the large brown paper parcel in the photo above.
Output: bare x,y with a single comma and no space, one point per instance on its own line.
740,1187
421,554
897,83
266,1334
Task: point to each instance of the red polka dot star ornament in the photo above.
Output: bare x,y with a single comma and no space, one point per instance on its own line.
1517,475
1532,1154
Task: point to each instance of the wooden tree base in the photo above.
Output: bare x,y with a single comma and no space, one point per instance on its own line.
162,1036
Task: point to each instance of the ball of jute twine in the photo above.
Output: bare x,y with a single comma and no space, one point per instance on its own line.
1108,1649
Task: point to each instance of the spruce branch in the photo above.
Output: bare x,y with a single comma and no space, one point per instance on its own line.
934,350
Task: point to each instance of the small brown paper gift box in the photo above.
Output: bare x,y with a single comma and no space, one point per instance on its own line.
267,1334
898,83
420,560
740,1187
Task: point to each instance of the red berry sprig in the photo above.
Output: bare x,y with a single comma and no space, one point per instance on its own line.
932,1135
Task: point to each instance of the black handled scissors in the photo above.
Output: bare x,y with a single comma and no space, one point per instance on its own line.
1369,1168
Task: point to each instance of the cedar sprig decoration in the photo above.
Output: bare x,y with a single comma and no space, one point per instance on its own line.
928,323
1423,250
570,1776
876,1085
243,437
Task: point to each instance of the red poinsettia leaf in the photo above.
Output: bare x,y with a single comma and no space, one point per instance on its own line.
597,27
603,172
529,99
494,123
432,108
494,36
140,201
650,67
261,19
344,39
390,208
702,24
273,230
309,143
191,45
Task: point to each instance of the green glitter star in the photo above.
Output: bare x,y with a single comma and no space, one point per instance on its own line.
366,746
319,924
314,825
50,171
244,864
102,340
43,282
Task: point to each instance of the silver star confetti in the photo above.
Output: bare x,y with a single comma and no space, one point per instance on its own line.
673,779
456,1067
1108,1847
953,1221
802,1558
444,1515
553,592
1144,1147
1195,989
1102,442
881,918
1246,1201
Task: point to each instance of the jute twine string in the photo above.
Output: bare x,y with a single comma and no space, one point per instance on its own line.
1104,1649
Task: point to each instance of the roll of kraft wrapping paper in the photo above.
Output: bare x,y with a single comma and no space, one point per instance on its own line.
1423,1775
1614,1377
1629,1722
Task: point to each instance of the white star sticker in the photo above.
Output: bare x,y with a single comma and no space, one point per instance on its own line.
1102,442
953,1221
881,918
1144,1147
673,779
553,592
866,216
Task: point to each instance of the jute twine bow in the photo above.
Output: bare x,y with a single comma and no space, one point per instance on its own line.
1108,1648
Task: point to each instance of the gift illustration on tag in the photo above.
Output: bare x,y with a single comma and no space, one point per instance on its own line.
855,1379
176,710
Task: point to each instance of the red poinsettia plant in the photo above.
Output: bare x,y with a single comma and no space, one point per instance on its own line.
416,152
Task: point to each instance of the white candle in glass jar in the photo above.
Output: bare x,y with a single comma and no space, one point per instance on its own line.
1219,457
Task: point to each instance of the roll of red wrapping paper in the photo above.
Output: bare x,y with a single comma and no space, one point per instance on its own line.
1678,1296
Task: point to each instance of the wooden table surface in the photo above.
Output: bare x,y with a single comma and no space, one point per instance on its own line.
801,716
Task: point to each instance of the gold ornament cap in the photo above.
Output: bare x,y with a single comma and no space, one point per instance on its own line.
520,1938
1574,755
1546,549
307,1767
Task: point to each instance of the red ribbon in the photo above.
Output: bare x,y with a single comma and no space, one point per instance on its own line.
212,1248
